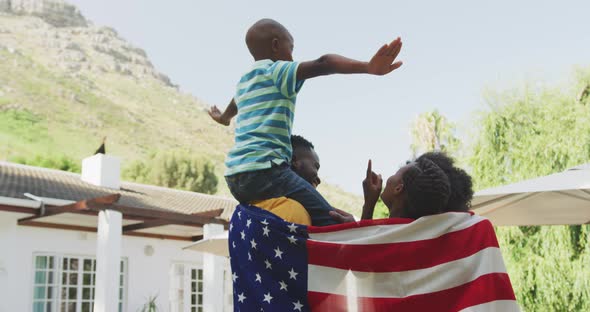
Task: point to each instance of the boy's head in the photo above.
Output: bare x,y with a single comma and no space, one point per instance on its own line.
461,184
268,39
418,189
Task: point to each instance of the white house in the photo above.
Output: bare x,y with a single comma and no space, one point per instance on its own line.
90,242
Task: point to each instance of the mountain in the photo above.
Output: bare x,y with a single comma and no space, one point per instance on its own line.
64,84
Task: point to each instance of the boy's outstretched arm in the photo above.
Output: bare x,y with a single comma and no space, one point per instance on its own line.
381,63
225,117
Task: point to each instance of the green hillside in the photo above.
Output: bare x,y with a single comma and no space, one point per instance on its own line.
63,88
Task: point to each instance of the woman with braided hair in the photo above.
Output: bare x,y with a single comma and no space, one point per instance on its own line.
417,189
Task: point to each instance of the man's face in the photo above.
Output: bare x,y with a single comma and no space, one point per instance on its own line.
306,164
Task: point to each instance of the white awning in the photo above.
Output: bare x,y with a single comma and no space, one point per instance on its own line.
557,199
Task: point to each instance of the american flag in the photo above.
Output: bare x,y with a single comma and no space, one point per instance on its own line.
445,262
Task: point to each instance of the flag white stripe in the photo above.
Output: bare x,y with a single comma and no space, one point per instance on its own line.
407,283
424,228
494,306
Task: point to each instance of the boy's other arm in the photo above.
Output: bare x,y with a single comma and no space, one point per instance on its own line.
381,63
224,118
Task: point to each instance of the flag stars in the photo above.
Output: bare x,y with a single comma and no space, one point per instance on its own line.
240,215
292,228
283,285
258,278
234,276
233,244
249,257
292,239
265,231
297,305
264,222
267,297
253,243
231,226
241,298
293,274
268,265
243,235
248,222
278,253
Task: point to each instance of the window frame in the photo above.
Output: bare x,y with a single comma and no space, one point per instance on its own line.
58,285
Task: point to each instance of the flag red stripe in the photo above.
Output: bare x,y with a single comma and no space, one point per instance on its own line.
396,257
484,289
322,302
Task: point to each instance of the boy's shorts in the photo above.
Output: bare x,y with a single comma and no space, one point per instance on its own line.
277,181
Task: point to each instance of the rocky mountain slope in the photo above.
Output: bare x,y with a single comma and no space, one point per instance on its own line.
64,84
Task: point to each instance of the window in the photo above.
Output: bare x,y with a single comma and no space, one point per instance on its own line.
196,290
186,291
66,283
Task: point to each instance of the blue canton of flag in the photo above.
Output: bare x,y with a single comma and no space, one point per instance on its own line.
268,260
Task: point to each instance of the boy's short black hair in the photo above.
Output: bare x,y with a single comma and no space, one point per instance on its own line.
461,183
298,141
427,188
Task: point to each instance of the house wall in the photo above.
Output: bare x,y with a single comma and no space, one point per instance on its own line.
146,276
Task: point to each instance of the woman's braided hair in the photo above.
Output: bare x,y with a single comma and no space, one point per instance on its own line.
427,188
461,183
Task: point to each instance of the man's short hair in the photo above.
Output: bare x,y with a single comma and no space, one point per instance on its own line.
298,141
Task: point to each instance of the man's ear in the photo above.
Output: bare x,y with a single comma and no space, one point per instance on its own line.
295,164
275,45
399,188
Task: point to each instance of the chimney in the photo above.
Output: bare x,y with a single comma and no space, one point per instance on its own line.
102,170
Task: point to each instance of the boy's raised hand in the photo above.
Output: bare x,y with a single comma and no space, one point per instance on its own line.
382,62
218,116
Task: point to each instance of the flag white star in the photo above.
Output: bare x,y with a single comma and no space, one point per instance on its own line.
293,274
266,231
283,285
267,297
268,265
249,257
253,243
248,222
297,305
231,226
241,297
264,222
292,228
292,239
258,278
240,215
278,253
234,276
233,244
243,235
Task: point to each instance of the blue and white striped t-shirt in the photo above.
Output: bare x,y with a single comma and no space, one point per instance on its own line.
265,99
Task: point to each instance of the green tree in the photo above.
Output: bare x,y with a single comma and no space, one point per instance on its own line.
432,131
175,170
381,211
526,134
60,162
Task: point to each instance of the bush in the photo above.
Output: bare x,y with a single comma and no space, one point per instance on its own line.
177,170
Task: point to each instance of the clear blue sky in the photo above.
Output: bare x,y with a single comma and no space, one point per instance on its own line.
453,51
